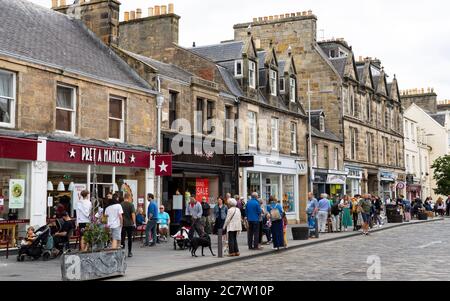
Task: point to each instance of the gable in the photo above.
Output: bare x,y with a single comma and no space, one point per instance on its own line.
367,76
350,68
249,48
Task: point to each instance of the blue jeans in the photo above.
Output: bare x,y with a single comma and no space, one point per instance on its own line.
151,226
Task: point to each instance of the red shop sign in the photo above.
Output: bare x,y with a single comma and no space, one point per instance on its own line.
18,148
201,189
90,154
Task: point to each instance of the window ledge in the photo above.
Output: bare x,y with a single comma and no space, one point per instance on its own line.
7,125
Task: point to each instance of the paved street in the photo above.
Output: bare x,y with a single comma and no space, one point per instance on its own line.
416,252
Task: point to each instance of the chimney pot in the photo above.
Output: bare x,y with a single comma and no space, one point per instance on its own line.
304,13
266,18
54,3
157,10
163,9
138,13
282,16
292,15
260,19
62,3
150,11
270,18
132,15
255,20
309,12
127,16
81,2
288,15
299,14
275,17
171,8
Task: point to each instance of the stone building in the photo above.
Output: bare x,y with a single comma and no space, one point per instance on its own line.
69,108
425,99
362,107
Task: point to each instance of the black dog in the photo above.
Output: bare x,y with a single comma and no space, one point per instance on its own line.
204,242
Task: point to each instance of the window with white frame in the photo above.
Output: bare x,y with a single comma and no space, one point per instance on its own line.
315,155
273,82
385,150
353,145
238,68
368,108
406,129
293,137
326,158
408,164
7,98
252,129
252,74
413,165
275,133
336,159
322,124
369,147
413,132
116,118
282,85
65,109
293,89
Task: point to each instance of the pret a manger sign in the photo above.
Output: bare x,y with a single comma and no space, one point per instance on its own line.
90,154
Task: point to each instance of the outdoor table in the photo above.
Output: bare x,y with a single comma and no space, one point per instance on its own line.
8,229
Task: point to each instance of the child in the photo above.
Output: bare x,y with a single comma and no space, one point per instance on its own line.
30,237
285,223
267,224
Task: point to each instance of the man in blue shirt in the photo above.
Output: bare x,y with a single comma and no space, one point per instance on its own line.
323,211
152,216
311,209
252,213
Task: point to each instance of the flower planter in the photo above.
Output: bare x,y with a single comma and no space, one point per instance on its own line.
93,266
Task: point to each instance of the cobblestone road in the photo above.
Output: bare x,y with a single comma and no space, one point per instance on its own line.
417,252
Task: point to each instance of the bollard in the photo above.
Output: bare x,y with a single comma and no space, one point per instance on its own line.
220,244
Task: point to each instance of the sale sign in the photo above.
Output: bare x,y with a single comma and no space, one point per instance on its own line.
201,189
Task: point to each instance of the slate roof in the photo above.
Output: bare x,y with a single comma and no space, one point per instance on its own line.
230,82
440,118
168,70
339,65
221,52
261,59
360,70
281,66
30,32
376,80
324,135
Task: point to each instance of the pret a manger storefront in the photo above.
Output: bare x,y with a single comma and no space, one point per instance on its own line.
72,166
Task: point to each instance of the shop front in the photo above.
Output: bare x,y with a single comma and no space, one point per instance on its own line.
281,177
17,164
330,182
388,185
98,168
354,181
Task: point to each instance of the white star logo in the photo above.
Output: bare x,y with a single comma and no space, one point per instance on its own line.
72,153
163,167
132,159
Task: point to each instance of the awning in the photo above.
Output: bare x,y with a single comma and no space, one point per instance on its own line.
18,148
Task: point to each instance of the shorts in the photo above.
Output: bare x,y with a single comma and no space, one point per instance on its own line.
365,216
82,227
116,233
163,226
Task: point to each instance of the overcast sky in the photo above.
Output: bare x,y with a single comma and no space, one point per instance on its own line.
411,37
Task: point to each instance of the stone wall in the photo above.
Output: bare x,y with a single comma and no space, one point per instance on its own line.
322,162
426,101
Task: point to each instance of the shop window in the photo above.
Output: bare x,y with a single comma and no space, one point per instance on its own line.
275,134
116,119
172,107
210,107
229,122
288,193
253,183
7,98
252,74
336,159
315,154
65,109
199,116
293,137
322,123
293,90
273,82
252,129
238,68
326,157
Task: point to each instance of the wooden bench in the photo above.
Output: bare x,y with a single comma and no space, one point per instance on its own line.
5,241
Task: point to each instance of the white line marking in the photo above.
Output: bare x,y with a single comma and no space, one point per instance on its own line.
430,244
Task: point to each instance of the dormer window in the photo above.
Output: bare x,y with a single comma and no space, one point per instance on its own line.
322,123
282,85
293,89
273,82
252,74
238,70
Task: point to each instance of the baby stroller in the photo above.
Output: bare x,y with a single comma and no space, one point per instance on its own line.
181,238
42,245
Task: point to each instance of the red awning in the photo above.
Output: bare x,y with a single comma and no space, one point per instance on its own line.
18,148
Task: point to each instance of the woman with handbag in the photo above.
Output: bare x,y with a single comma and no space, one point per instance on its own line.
233,227
275,210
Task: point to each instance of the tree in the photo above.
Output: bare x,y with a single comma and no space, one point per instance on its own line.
442,175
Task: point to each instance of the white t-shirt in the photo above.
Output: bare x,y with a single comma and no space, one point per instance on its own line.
84,208
114,212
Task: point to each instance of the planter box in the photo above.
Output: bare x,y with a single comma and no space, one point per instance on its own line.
300,232
92,266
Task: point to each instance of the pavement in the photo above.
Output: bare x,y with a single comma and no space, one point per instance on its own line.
162,261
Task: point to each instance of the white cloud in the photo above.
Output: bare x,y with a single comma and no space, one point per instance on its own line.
410,37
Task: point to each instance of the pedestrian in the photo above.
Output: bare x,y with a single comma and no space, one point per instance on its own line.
440,206
311,209
346,214
261,222
163,222
323,211
206,208
84,208
267,224
152,220
377,204
115,222
276,216
220,214
252,213
285,225
447,206
406,208
365,206
336,216
227,197
194,209
354,210
233,226
129,222
140,217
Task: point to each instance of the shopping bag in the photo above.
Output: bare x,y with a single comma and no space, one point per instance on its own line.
360,221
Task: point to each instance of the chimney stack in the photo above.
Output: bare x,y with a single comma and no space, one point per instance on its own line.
127,16
81,2
62,3
171,8
157,10
163,9
138,13
132,15
54,3
150,11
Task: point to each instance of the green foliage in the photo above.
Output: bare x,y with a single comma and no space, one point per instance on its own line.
442,175
95,236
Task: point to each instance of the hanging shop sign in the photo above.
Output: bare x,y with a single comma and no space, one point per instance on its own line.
86,154
163,165
336,179
16,194
18,148
246,161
